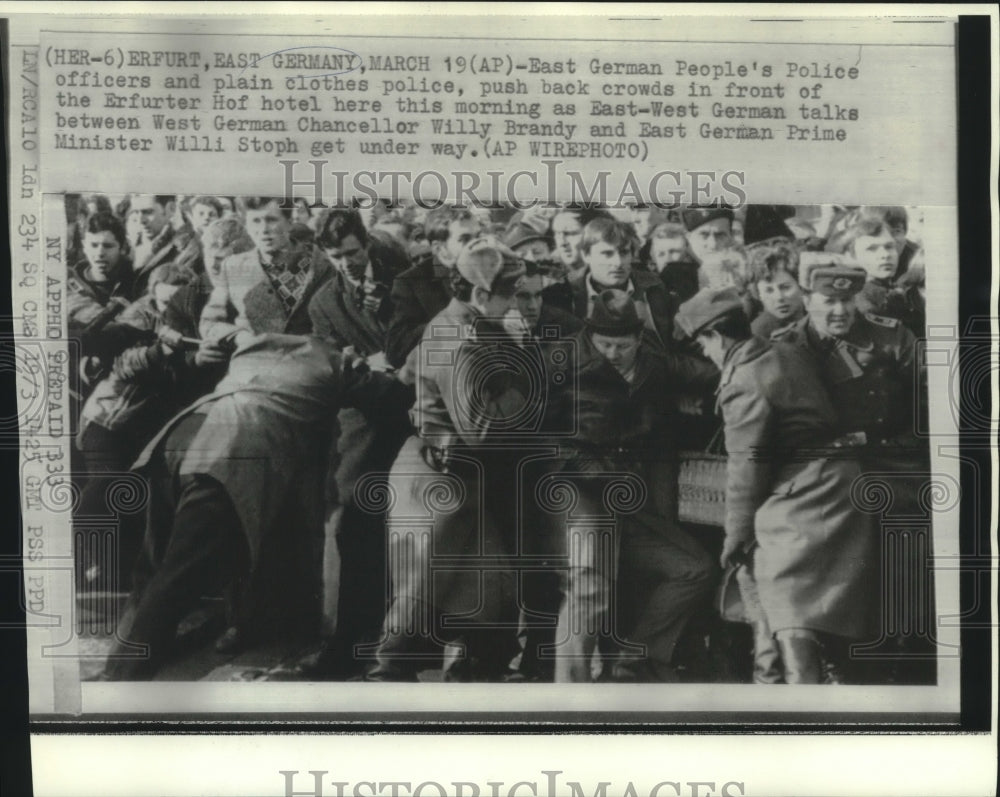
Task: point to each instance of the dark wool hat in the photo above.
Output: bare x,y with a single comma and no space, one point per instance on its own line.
695,217
764,222
525,231
614,314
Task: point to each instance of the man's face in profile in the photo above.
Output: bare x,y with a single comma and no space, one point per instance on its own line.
153,216
529,299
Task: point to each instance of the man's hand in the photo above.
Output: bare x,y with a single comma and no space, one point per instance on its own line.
689,405
377,362
733,552
212,352
170,338
515,325
373,295
117,304
352,364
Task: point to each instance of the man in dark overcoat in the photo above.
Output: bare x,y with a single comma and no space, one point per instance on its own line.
871,366
236,482
625,417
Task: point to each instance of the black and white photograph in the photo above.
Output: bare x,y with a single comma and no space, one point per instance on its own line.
410,400
568,445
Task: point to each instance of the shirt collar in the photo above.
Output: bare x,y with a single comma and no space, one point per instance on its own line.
593,291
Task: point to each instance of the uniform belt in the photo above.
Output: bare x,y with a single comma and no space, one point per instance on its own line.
850,440
862,438
446,459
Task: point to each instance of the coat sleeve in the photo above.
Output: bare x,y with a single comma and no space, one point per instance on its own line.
485,393
406,327
749,424
911,374
321,309
689,372
85,314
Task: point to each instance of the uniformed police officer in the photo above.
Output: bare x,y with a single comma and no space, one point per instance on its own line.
789,515
878,386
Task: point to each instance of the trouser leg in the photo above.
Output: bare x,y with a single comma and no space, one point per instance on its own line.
355,574
434,513
679,578
361,591
206,539
540,544
766,656
106,457
585,615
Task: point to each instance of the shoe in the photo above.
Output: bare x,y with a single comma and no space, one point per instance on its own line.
329,663
390,675
643,672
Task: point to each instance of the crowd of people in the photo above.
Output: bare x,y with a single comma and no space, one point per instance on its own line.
451,439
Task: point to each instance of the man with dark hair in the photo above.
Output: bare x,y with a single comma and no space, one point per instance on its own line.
626,416
354,307
802,545
537,311
98,289
164,240
421,292
453,475
104,275
352,310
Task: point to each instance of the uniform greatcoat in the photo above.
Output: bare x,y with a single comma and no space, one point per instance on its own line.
816,553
